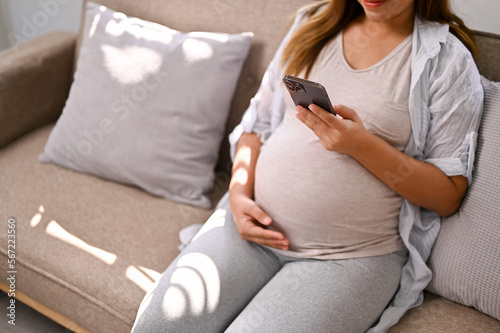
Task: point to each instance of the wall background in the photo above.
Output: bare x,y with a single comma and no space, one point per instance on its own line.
22,20
482,15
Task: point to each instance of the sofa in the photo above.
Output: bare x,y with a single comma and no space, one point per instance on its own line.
87,248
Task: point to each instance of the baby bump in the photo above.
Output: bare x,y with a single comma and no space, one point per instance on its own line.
319,198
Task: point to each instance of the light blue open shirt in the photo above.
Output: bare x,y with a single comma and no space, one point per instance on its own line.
445,105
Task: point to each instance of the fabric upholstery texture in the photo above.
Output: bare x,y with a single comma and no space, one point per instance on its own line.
45,60
466,257
488,45
140,229
438,314
116,218
83,242
149,104
266,19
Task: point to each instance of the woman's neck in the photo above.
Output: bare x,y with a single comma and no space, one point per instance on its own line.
366,42
400,25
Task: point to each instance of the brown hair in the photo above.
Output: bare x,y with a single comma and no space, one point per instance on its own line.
322,25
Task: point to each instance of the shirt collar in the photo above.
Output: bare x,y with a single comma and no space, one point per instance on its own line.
431,34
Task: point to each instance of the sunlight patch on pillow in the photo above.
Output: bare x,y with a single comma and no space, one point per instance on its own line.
148,105
131,64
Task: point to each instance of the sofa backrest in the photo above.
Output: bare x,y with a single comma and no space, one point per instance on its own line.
488,60
267,19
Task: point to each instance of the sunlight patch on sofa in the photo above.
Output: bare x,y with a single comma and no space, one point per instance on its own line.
56,231
194,283
150,272
143,281
35,220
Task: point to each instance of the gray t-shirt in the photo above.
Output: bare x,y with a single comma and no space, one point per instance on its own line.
326,203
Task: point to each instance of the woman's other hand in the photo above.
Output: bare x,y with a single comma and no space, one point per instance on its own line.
251,220
249,217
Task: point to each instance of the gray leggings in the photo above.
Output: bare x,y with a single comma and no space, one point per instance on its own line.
221,283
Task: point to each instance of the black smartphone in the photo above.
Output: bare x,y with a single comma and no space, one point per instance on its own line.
305,93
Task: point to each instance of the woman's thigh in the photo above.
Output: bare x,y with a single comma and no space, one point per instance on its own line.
324,296
209,283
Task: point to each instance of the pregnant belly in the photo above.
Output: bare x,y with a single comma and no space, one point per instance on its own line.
320,199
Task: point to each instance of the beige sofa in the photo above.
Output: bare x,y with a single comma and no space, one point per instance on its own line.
68,223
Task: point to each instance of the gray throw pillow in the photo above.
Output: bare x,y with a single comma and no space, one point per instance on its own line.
148,105
466,257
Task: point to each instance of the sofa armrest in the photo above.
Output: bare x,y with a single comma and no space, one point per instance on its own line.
35,78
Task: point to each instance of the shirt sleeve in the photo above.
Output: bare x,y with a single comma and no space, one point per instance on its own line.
455,109
267,107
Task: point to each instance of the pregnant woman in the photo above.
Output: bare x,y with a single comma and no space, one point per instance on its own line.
330,218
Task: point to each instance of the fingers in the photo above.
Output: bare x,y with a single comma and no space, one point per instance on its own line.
342,133
322,114
315,111
343,111
258,214
258,234
346,112
312,120
250,219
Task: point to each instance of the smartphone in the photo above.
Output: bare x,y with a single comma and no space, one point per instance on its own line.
305,93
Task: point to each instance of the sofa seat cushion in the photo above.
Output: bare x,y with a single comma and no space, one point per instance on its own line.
440,315
67,260
86,245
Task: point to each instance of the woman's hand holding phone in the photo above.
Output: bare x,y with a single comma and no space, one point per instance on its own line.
345,134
